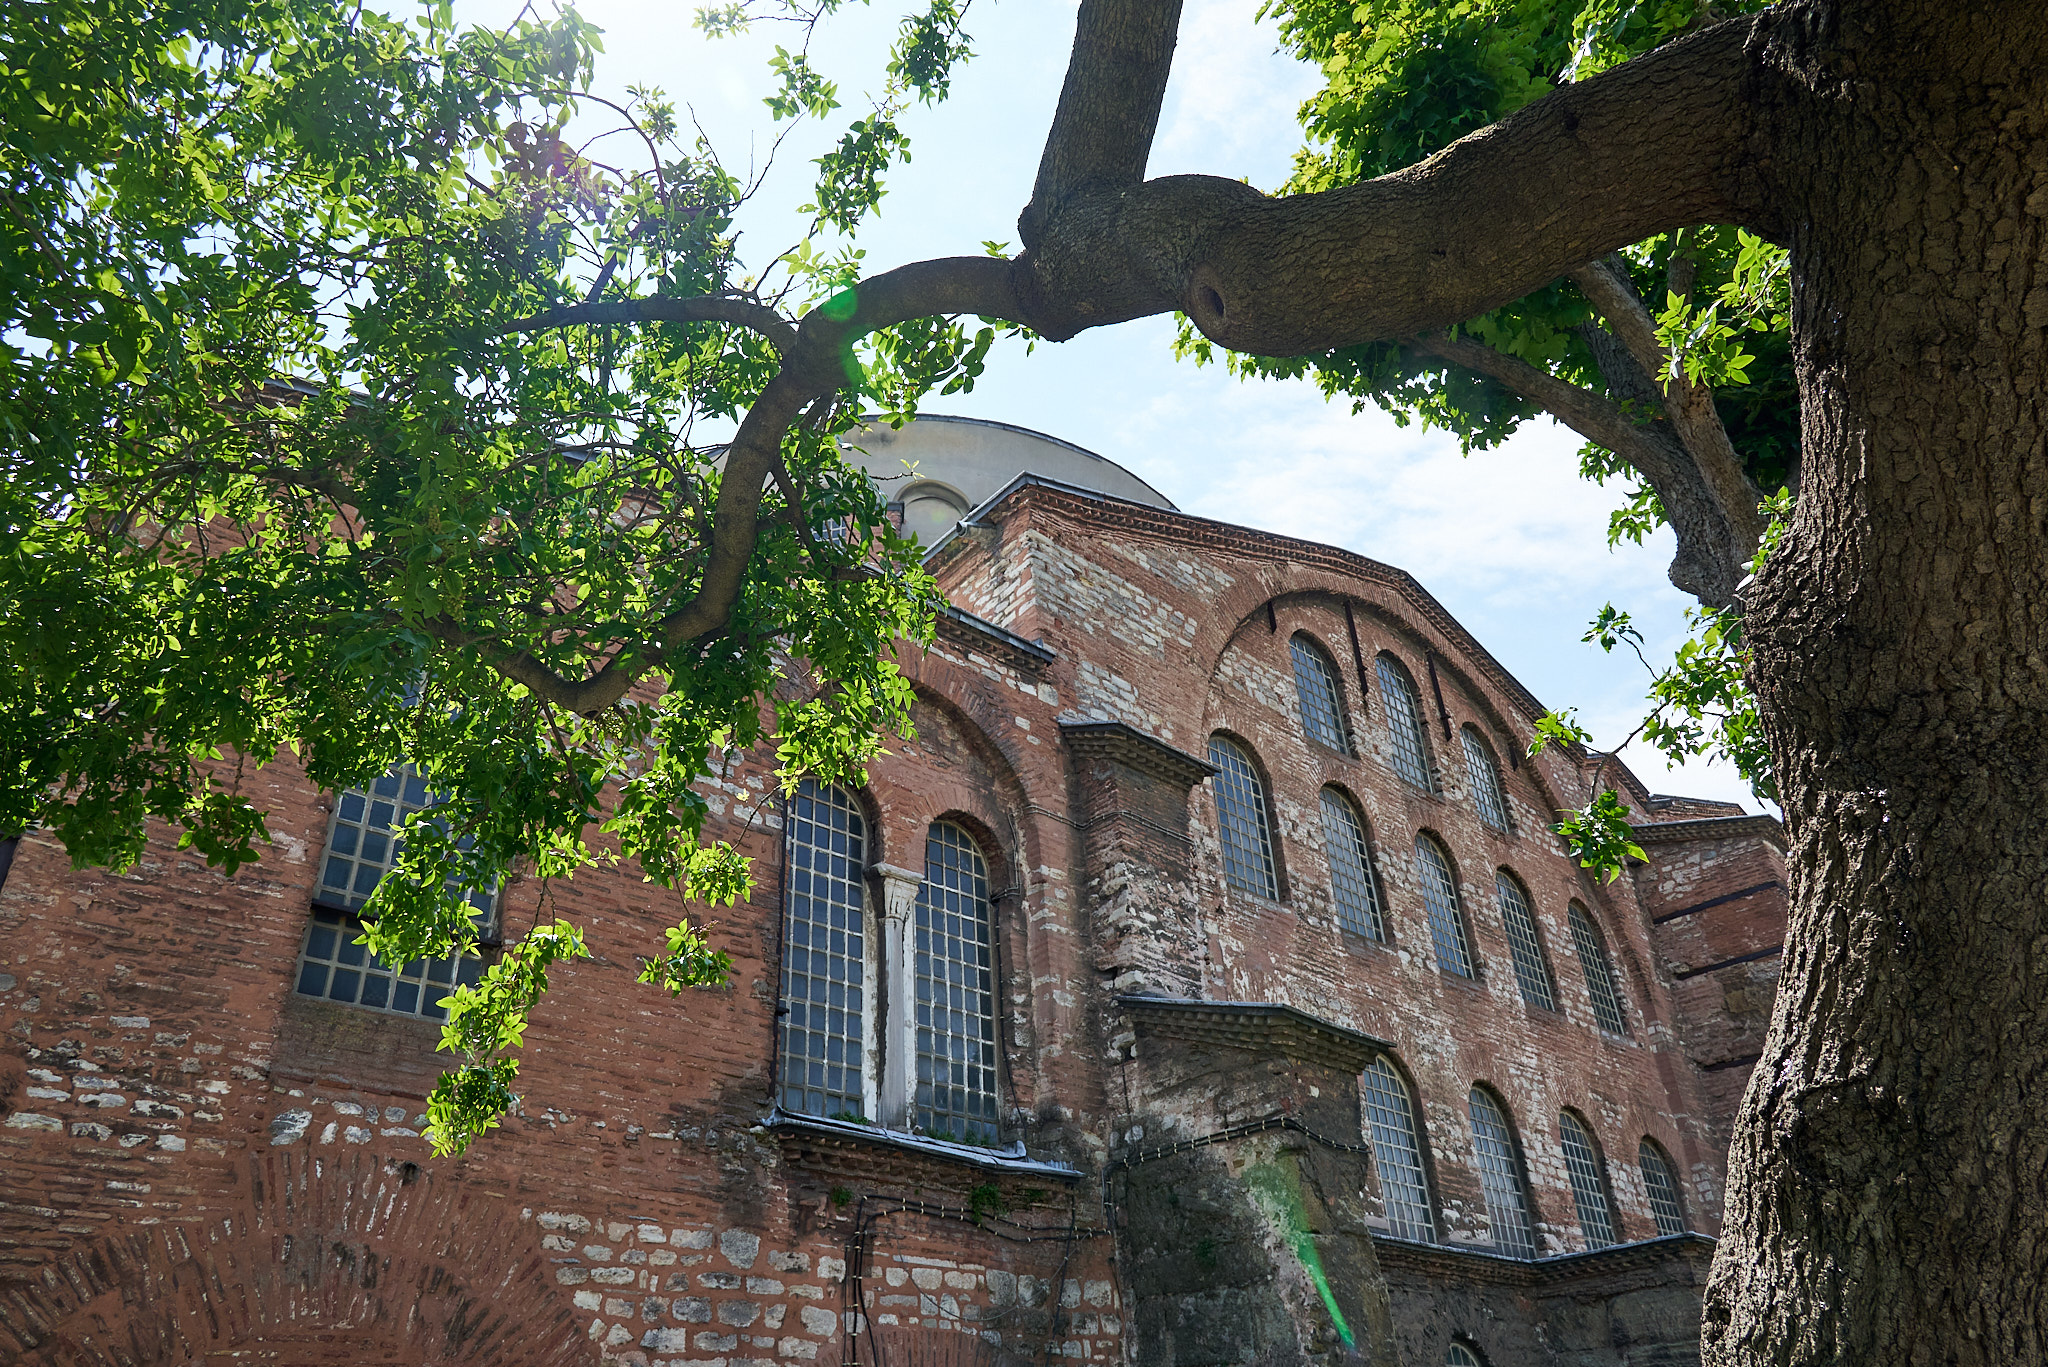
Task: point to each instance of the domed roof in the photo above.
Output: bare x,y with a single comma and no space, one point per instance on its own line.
941,468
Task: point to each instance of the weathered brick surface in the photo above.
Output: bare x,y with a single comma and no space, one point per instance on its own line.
194,1160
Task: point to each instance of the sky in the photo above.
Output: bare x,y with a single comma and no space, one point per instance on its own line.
1511,540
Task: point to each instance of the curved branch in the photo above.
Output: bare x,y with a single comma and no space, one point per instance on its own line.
708,309
1653,144
1711,559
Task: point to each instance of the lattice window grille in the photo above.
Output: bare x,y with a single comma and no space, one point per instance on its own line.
1599,970
1322,701
955,977
1532,970
1397,1154
1404,724
824,956
1440,896
1352,885
363,845
1589,1187
1500,1177
1662,1185
1460,1356
1487,791
1241,817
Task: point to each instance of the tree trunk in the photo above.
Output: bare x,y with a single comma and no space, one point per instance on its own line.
1888,1196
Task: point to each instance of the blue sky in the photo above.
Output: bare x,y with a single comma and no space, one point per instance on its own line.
1511,540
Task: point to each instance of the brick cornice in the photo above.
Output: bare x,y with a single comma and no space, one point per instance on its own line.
1132,748
963,628
1255,1028
1449,1263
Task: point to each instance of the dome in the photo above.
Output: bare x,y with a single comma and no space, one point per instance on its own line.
941,468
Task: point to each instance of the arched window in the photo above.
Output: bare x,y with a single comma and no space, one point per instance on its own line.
1607,1009
1397,1153
1500,1176
824,956
1532,970
956,1003
1322,700
1461,1356
1484,771
1661,1181
1440,895
1352,884
1404,723
363,844
1589,1180
1241,814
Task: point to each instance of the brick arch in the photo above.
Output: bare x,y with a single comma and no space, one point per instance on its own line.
1012,800
344,1257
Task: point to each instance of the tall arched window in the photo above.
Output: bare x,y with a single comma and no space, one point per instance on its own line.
1461,1356
1500,1176
1488,794
1589,1180
1532,970
824,956
1404,723
1660,1180
1397,1153
1241,815
1352,885
1586,938
1322,699
956,1003
1440,895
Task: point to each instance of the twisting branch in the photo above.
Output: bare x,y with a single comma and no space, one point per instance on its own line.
708,309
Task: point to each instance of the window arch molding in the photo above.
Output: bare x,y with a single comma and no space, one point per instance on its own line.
1319,690
1489,785
1368,917
1406,720
1503,1172
1245,827
1665,1192
1406,1173
1592,1188
1450,925
1526,947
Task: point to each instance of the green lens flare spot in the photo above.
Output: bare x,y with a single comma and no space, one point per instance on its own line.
841,307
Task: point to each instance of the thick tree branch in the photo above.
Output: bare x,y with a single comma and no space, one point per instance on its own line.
1654,144
709,309
1109,107
1689,406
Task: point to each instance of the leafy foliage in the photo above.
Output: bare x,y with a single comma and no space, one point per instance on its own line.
287,467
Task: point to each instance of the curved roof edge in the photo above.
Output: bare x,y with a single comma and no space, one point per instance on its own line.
1036,435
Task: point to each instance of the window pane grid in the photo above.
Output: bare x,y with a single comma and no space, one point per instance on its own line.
1589,1191
956,1015
362,846
1507,1201
363,842
1352,885
1487,792
1662,1186
1532,972
1397,1154
1241,817
824,957
1440,895
1322,708
1404,724
1460,1356
334,967
1599,972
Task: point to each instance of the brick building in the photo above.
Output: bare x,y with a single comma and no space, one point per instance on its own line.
1199,985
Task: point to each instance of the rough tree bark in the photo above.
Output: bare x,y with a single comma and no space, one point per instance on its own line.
1888,1202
